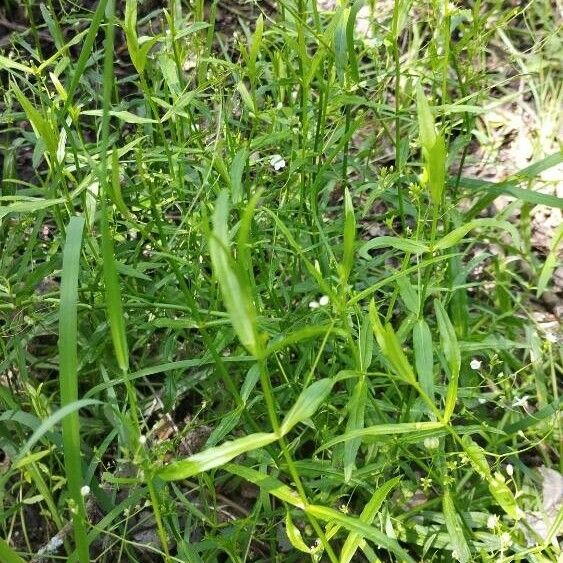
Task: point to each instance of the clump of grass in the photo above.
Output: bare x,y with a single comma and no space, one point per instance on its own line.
241,313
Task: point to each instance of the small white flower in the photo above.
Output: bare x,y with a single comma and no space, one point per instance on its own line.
492,521
313,305
85,491
277,162
475,364
142,439
521,401
505,540
324,300
551,337
510,470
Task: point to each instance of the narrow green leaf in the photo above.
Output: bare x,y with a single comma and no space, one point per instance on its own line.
226,424
340,45
476,456
408,294
294,534
237,168
85,53
503,495
29,205
7,554
406,245
460,549
68,368
41,125
115,186
307,404
350,28
450,347
52,421
426,127
114,306
365,344
349,239
391,347
453,237
125,116
235,292
255,47
132,40
356,410
436,168
357,526
385,430
423,356
550,262
9,64
267,483
354,540
215,457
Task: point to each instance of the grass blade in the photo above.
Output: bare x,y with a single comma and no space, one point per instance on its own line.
69,380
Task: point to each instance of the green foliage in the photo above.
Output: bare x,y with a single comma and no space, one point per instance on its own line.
255,296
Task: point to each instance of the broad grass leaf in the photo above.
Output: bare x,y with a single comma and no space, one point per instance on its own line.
234,289
354,540
307,404
215,457
459,546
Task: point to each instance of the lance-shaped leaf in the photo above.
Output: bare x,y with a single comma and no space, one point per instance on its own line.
234,288
307,404
215,457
